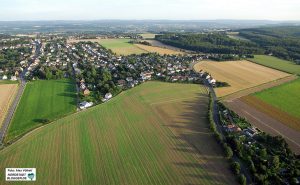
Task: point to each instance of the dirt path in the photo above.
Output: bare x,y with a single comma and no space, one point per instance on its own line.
266,123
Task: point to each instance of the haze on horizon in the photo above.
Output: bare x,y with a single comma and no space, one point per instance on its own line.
11,10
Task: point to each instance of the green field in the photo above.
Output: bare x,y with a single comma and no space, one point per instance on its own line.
121,46
285,97
277,63
42,101
156,133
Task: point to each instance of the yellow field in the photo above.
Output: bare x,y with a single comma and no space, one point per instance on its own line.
148,35
7,92
161,51
239,74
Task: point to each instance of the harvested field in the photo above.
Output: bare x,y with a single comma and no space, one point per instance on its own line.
161,51
239,74
156,133
266,123
148,35
7,94
276,63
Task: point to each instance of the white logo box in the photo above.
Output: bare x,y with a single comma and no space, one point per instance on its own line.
20,174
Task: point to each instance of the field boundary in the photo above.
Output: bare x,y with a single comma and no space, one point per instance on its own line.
273,83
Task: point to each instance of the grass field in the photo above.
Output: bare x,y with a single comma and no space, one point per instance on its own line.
7,94
121,46
156,133
277,63
41,102
285,99
239,74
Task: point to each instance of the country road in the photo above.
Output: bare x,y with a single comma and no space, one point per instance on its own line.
216,118
11,111
13,107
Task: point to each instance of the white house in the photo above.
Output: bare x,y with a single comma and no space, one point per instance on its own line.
84,105
4,77
108,96
13,78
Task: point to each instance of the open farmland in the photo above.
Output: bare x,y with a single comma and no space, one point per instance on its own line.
121,46
240,75
161,51
41,102
148,35
162,138
277,63
281,102
7,94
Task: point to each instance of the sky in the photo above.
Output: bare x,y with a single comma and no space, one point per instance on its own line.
11,10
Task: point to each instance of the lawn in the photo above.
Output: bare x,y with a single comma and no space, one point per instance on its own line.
41,102
121,46
156,133
277,63
240,75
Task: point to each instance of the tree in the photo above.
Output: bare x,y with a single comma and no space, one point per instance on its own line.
242,179
235,166
106,75
48,74
275,163
228,151
263,153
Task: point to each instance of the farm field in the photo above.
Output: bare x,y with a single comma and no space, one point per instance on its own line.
163,137
283,101
148,35
41,102
161,51
118,46
156,43
276,63
7,94
121,46
240,75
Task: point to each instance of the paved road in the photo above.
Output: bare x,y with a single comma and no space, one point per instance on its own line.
16,101
11,111
220,129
